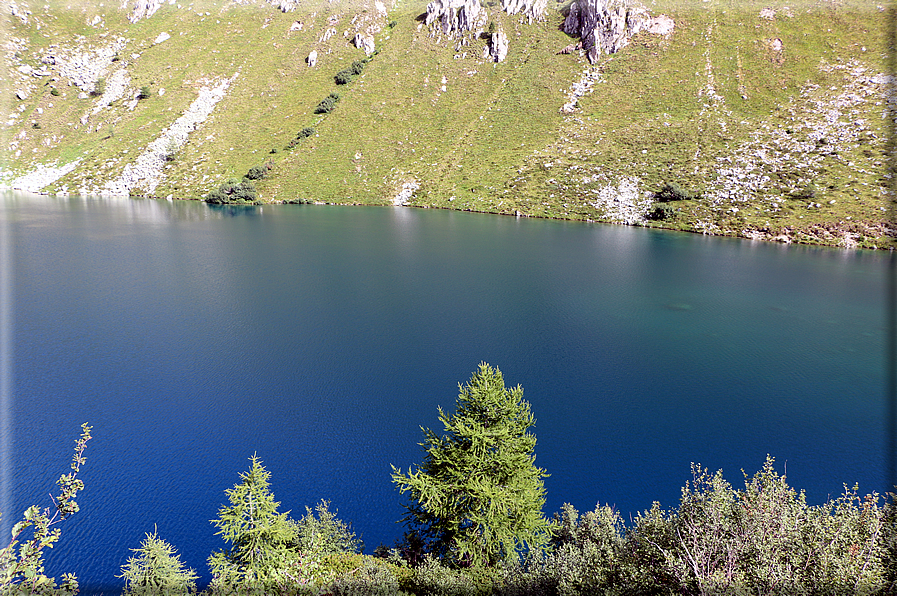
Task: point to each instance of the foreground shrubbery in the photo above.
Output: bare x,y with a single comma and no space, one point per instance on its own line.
760,539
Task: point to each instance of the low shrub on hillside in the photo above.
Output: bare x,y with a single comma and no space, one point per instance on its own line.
259,172
302,134
99,87
673,192
145,92
327,104
234,192
661,212
346,75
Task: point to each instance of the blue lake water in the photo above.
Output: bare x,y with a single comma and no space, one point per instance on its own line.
322,338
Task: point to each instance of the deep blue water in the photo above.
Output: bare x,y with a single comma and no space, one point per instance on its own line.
322,338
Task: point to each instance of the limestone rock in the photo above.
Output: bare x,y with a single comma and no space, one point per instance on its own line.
285,5
456,17
364,42
605,25
660,25
162,37
312,59
296,26
22,94
497,48
534,9
143,9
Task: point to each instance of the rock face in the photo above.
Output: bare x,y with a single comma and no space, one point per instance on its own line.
144,9
605,25
497,48
456,17
533,9
364,42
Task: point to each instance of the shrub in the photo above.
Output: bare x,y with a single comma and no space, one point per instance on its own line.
327,104
145,92
343,77
54,92
156,568
23,571
372,578
661,212
432,578
258,172
319,532
673,192
99,87
233,191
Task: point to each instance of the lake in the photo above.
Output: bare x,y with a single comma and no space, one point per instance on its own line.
322,338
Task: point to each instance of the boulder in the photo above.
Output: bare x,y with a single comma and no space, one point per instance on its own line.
312,59
364,42
605,25
497,48
285,5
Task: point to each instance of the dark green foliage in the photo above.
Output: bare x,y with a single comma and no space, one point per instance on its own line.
305,132
22,569
477,498
259,538
673,192
145,92
156,569
370,579
54,92
392,24
35,125
327,104
661,212
343,77
319,533
233,191
258,172
99,87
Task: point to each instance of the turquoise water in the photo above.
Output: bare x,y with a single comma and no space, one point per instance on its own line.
322,338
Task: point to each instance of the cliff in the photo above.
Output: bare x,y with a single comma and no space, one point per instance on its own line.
753,120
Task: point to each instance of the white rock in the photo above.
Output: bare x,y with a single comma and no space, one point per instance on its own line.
312,59
162,37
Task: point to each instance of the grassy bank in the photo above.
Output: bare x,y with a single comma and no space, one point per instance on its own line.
771,126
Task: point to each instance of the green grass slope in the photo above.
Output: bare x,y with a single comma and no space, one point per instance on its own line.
771,125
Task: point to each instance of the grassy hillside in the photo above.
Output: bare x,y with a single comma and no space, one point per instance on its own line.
768,126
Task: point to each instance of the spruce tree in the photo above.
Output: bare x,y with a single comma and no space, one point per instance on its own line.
478,497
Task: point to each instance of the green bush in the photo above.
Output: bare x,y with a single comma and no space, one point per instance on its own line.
258,172
327,104
372,578
343,77
54,92
320,533
673,192
99,87
432,578
233,192
156,569
661,212
145,92
305,133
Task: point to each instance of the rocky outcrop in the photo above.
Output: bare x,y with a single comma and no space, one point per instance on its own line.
285,5
83,65
364,42
456,17
497,48
143,9
607,25
534,10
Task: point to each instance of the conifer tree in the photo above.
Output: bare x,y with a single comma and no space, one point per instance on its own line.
156,569
477,498
260,537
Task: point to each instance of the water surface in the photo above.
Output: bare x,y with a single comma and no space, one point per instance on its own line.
322,338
